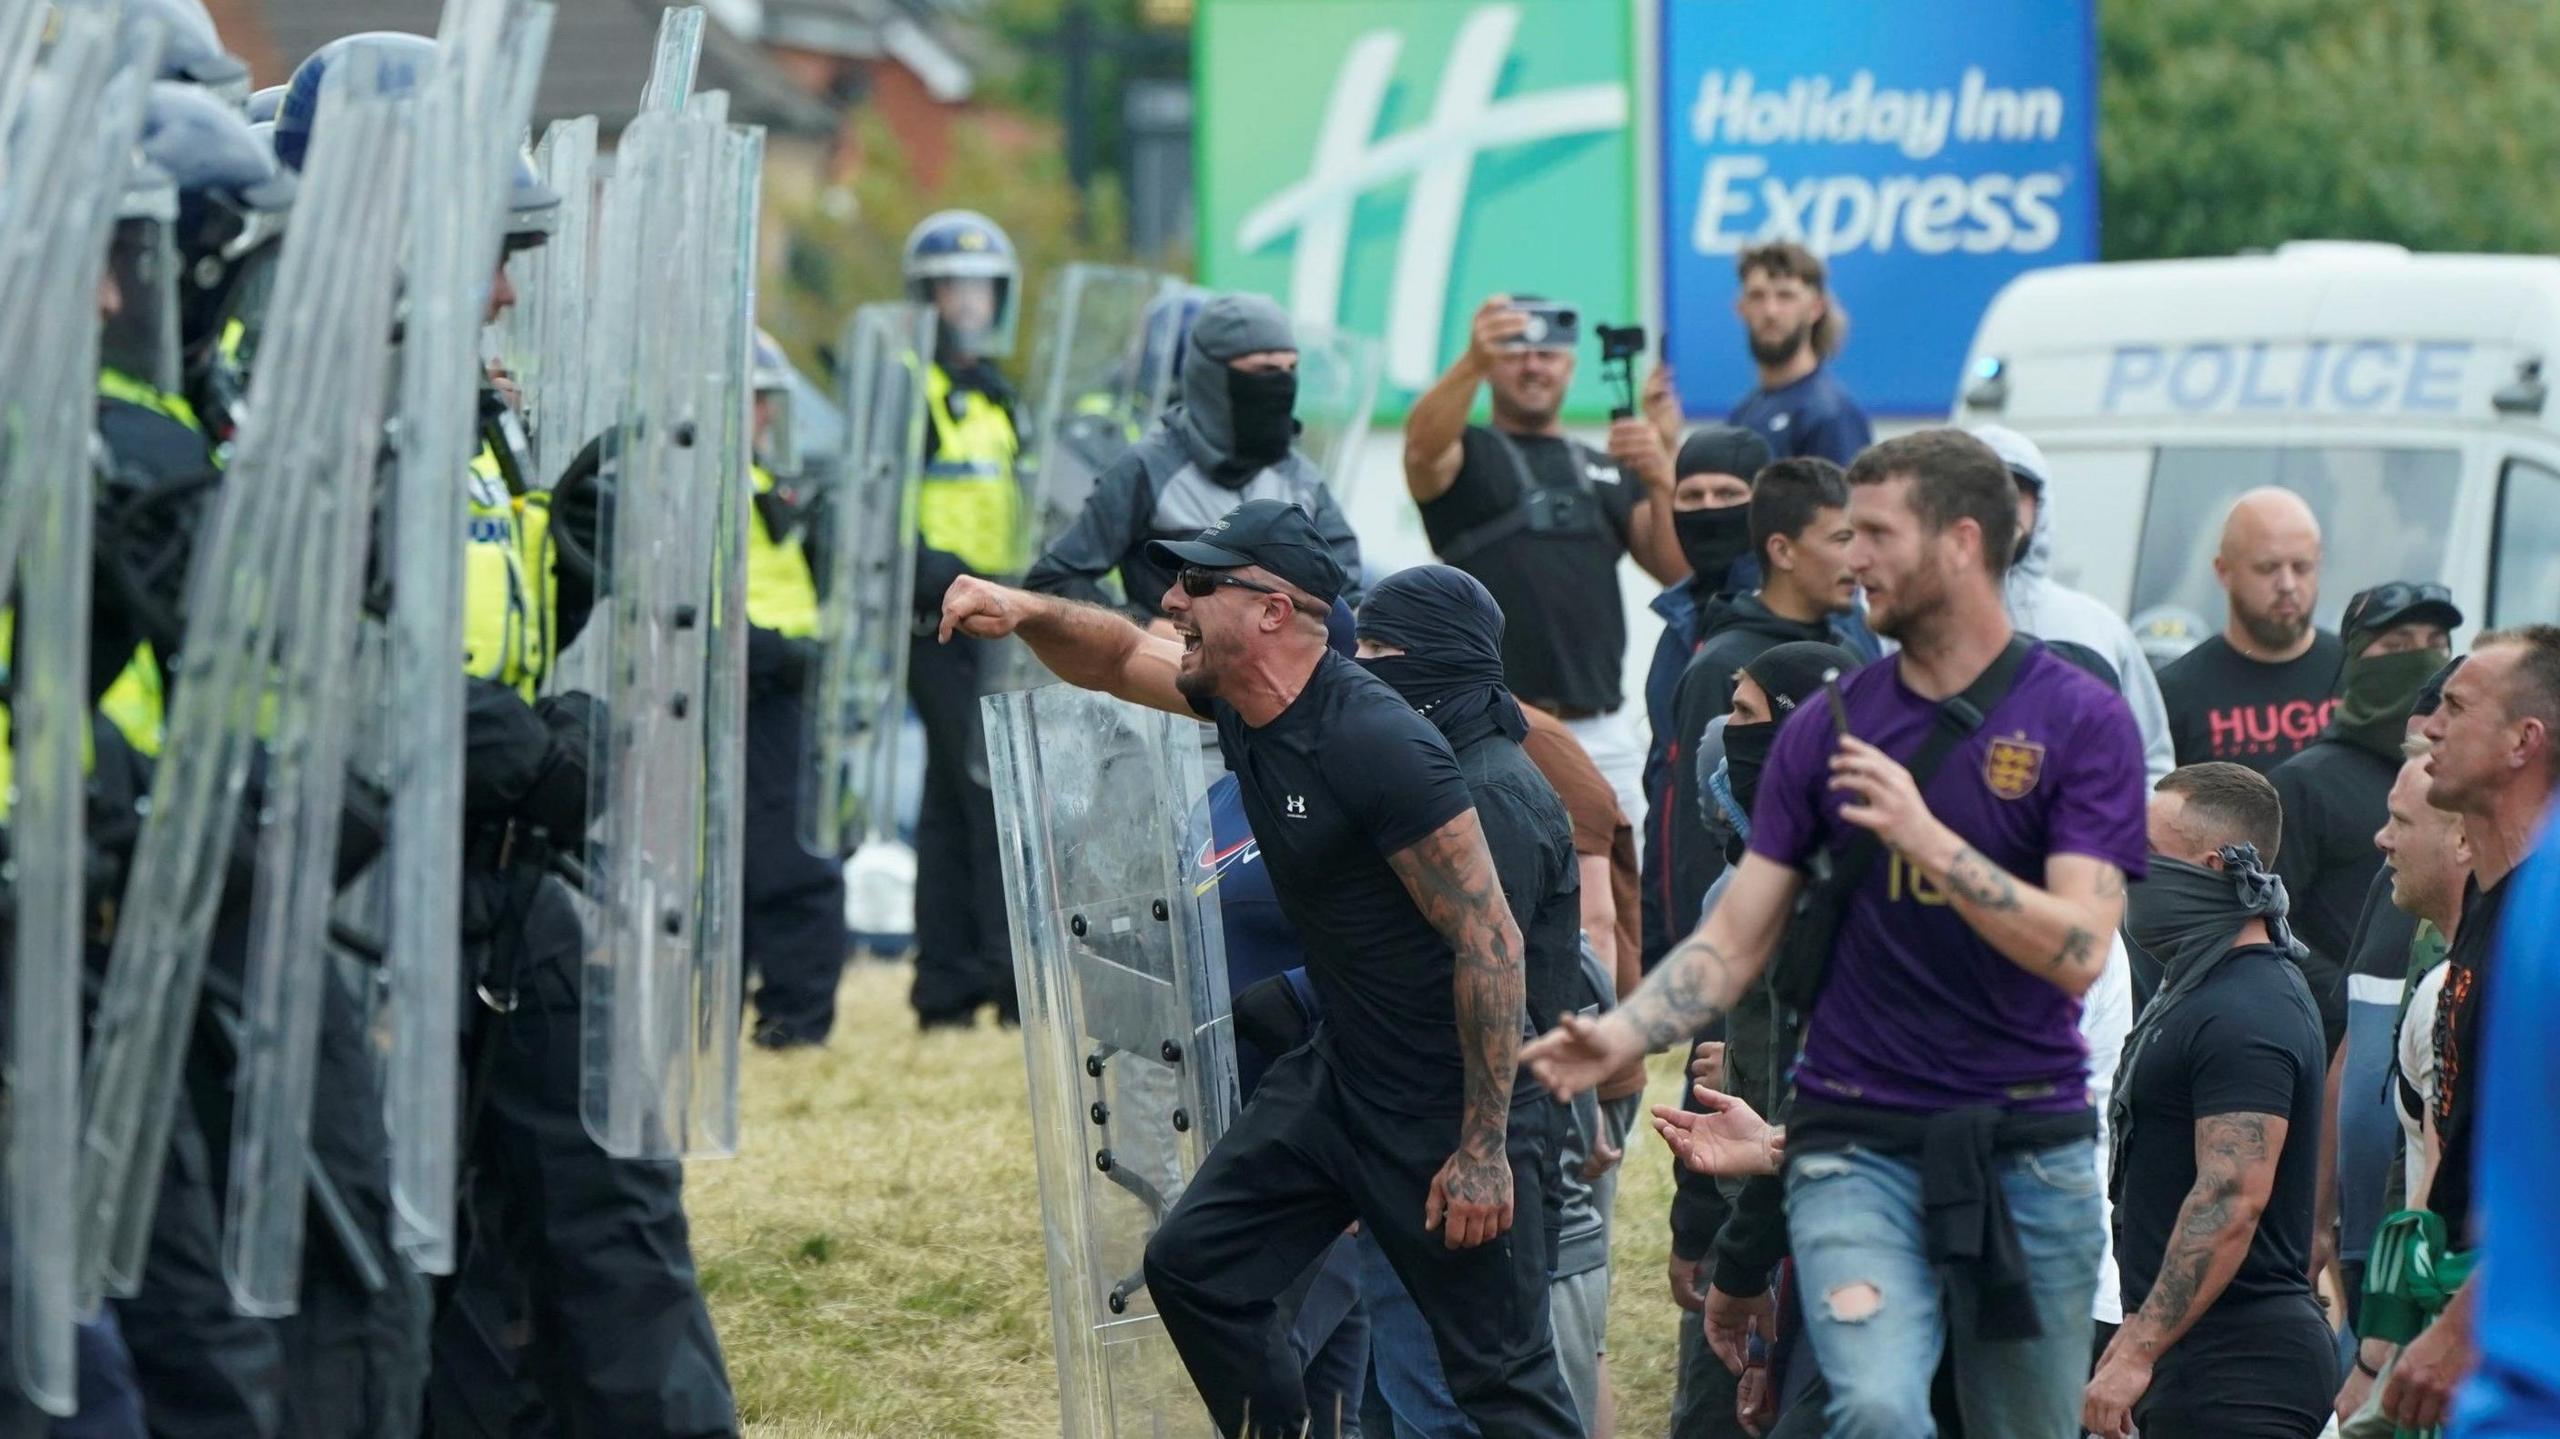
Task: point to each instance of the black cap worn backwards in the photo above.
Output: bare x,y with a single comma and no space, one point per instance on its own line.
1274,534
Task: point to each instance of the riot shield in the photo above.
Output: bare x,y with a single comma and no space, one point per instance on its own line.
546,334
270,614
1122,970
859,701
1337,390
675,262
672,65
467,112
1101,372
44,451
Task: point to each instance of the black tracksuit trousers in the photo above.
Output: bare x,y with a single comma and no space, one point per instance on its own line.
1307,1157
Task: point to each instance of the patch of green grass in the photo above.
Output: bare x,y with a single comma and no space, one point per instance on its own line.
873,1257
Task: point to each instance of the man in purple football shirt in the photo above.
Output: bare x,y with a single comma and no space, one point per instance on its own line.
1941,1187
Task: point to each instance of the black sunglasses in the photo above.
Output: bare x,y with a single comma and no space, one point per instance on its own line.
1200,584
2392,598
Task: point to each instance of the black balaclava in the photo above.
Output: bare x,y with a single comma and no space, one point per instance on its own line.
1234,426
1791,675
1712,539
1450,630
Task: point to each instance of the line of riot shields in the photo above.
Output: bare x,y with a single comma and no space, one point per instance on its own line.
306,788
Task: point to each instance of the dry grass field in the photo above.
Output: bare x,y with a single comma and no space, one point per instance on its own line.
872,1256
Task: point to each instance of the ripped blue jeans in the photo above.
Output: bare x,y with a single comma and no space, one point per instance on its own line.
1879,1313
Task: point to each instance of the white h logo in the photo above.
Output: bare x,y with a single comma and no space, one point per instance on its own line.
1440,156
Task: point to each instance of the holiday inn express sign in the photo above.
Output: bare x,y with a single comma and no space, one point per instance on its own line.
1383,166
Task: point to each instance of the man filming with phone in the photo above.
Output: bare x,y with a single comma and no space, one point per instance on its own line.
1542,519
1933,870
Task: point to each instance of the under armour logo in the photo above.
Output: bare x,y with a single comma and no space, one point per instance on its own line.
1437,160
1297,806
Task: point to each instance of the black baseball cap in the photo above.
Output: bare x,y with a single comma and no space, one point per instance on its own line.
2399,602
1274,534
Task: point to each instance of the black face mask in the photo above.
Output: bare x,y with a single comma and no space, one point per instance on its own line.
1712,540
1746,752
1261,405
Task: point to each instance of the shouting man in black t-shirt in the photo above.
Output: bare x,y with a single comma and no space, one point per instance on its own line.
2262,689
1400,1113
2217,1139
1542,520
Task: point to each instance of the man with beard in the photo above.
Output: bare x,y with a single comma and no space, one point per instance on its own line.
1227,440
1960,831
1405,1112
2259,691
2335,790
1793,325
1542,521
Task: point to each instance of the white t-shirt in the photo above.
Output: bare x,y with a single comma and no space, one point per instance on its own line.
2106,1017
2417,1050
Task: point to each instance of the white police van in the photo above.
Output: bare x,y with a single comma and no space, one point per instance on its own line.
2403,396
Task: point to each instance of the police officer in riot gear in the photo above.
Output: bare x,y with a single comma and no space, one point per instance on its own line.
970,522
795,939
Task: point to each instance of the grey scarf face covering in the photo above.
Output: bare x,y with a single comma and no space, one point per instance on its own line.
2187,916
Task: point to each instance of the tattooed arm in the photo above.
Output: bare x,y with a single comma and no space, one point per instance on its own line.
2235,1169
1449,872
1086,645
1691,988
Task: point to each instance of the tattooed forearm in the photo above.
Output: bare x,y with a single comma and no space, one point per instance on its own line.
1979,882
1681,997
1450,875
2235,1167
2079,947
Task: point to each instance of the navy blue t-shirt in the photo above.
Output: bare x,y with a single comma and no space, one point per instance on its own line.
1811,416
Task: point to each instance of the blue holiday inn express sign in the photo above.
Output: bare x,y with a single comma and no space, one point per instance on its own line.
1927,157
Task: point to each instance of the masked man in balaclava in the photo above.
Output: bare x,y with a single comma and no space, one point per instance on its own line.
1230,438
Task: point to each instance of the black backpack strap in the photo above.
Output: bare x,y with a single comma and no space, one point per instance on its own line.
1958,717
1466,544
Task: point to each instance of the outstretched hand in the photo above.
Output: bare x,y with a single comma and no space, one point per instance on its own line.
1580,1052
980,608
1729,1139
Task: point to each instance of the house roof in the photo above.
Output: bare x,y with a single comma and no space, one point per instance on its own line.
599,58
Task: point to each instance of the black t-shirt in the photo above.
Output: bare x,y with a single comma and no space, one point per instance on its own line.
1564,635
2457,1035
2335,796
2224,705
2245,1041
1345,776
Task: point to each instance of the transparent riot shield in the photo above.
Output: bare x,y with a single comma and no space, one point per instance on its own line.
1100,374
546,338
45,454
467,113
264,652
1122,970
677,57
658,1012
855,708
1337,390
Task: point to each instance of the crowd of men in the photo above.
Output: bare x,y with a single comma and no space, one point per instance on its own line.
2124,1032
2112,1024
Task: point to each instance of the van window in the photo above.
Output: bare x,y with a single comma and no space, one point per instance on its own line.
2524,570
2384,515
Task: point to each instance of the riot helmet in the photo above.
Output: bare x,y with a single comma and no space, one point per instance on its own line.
192,53
777,446
962,264
405,59
231,201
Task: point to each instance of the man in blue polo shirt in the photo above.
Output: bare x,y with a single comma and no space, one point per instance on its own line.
1793,325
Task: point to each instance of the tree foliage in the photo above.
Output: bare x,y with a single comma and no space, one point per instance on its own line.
2231,124
841,246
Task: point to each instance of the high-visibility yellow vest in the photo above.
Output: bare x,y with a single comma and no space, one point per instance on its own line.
506,611
117,385
137,703
782,596
968,504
